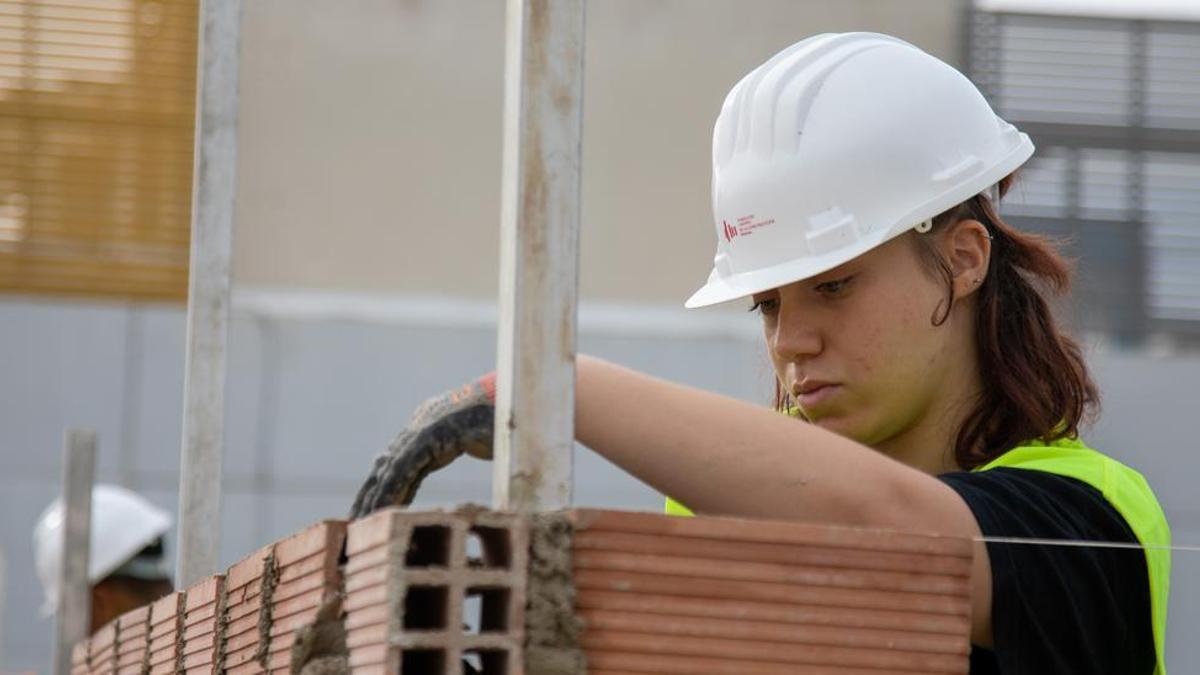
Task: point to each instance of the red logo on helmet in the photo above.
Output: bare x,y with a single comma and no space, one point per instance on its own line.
730,231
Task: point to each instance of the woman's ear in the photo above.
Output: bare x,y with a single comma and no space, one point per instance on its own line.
967,246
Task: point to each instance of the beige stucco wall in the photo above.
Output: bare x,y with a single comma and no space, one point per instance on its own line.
370,135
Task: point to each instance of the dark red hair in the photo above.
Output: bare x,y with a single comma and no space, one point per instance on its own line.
1035,380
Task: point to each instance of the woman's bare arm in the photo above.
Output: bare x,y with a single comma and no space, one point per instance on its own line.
722,456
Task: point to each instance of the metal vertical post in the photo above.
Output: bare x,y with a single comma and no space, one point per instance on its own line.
73,617
539,254
208,290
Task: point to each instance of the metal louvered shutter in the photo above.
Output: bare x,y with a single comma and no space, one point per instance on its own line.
1114,108
97,101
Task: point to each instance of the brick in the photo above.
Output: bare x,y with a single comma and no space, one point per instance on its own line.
324,537
202,594
243,657
303,585
202,614
247,639
282,642
201,623
827,577
238,610
407,575
249,570
755,552
367,616
164,610
248,668
631,582
162,656
724,595
745,530
102,639
784,652
245,624
306,602
131,657
200,644
199,659
770,610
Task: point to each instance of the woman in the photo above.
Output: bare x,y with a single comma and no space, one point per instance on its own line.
856,185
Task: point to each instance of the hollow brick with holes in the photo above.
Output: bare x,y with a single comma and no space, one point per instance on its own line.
408,576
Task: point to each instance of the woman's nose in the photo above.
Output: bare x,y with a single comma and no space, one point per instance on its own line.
795,338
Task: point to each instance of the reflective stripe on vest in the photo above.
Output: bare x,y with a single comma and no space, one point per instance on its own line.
1123,487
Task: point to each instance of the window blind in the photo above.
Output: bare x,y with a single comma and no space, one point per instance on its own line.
1114,108
96,115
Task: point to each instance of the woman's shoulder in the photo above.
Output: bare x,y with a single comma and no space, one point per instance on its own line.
1020,501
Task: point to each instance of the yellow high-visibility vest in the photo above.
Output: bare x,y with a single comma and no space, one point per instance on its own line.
1123,487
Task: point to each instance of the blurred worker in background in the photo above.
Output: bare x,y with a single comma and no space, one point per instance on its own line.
924,383
126,568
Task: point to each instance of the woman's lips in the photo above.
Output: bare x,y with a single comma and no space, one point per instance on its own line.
816,396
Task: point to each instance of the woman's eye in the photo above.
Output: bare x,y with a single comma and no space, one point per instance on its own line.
835,288
766,307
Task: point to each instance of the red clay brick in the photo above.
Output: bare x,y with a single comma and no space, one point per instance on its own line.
630,582
250,667
245,641
306,602
781,612
394,551
248,570
303,585
769,531
201,623
163,657
715,595
755,552
325,537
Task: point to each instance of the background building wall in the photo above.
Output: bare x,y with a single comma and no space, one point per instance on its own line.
370,139
367,218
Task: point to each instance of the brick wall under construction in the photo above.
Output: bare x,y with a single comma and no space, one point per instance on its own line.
581,591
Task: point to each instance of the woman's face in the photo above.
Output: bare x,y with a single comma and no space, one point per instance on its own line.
856,347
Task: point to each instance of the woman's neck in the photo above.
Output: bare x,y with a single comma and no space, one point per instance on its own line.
928,443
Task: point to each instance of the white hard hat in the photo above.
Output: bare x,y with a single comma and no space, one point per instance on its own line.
836,145
123,523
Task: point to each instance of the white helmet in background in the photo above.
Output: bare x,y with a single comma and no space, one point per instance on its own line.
123,523
836,145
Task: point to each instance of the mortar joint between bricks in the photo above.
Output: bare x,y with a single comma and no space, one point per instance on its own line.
269,581
219,657
180,609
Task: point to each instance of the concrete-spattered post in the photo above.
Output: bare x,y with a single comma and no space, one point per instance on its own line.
208,290
539,254
73,613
